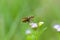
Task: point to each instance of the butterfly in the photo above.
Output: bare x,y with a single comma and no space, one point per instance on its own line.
27,19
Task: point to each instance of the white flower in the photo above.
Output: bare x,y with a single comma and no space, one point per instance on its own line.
28,31
40,23
57,27
33,25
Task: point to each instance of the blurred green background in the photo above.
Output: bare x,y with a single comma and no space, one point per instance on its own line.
12,11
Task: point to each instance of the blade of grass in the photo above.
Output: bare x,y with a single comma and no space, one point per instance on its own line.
13,28
2,27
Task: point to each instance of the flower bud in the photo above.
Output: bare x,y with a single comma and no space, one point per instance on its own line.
28,31
41,23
